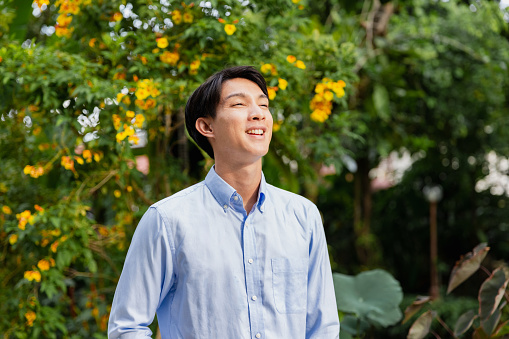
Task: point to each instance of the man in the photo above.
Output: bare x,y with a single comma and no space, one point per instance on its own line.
230,257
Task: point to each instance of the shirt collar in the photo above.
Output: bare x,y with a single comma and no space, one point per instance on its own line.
223,192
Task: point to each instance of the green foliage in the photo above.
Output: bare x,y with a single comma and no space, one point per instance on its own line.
487,320
92,133
370,298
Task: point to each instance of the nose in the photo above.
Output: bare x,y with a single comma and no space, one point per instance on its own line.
257,113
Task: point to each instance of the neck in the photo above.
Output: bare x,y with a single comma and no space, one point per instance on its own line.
245,179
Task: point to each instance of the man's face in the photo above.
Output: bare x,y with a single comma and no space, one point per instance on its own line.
242,128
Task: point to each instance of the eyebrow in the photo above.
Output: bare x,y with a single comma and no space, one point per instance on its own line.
243,95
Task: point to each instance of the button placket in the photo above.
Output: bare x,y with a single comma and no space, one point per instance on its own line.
252,279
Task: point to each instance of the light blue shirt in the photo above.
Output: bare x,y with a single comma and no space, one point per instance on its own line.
210,270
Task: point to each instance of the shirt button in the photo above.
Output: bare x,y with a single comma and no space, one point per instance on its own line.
258,335
246,224
253,298
235,198
225,206
250,261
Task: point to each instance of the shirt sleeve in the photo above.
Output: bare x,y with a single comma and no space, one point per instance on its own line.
145,280
322,314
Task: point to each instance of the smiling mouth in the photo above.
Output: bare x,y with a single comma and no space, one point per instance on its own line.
255,132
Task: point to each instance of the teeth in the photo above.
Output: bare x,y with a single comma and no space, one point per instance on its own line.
255,131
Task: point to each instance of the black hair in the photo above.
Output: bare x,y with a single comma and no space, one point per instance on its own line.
204,100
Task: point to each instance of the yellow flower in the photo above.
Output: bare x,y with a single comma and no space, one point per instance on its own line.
117,17
39,3
142,93
319,116
117,193
43,265
328,96
134,139
79,160
13,238
129,188
129,114
32,275
188,18
162,42
121,136
266,68
63,31
24,218
291,59
87,154
282,83
68,163
272,92
54,246
169,58
39,209
193,67
119,97
30,316
319,88
116,121
295,1
98,156
91,43
176,17
138,123
6,209
276,126
230,29
155,50
64,20
300,64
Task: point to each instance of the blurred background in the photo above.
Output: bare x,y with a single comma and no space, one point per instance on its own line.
392,116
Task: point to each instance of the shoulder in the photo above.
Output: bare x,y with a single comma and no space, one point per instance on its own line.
278,195
290,203
183,200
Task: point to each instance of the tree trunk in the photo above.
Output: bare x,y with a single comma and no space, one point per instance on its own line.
366,244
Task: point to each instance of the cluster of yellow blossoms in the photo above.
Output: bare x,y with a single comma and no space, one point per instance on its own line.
297,63
321,104
270,69
30,316
40,3
170,58
43,265
177,17
86,156
145,92
146,88
33,171
25,218
66,8
48,235
229,28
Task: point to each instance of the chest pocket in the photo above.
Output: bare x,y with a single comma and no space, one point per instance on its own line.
289,281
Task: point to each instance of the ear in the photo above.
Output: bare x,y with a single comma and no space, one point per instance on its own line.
204,127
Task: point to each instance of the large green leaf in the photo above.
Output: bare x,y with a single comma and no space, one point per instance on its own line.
372,295
352,326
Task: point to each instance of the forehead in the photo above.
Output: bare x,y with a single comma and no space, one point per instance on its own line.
240,86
